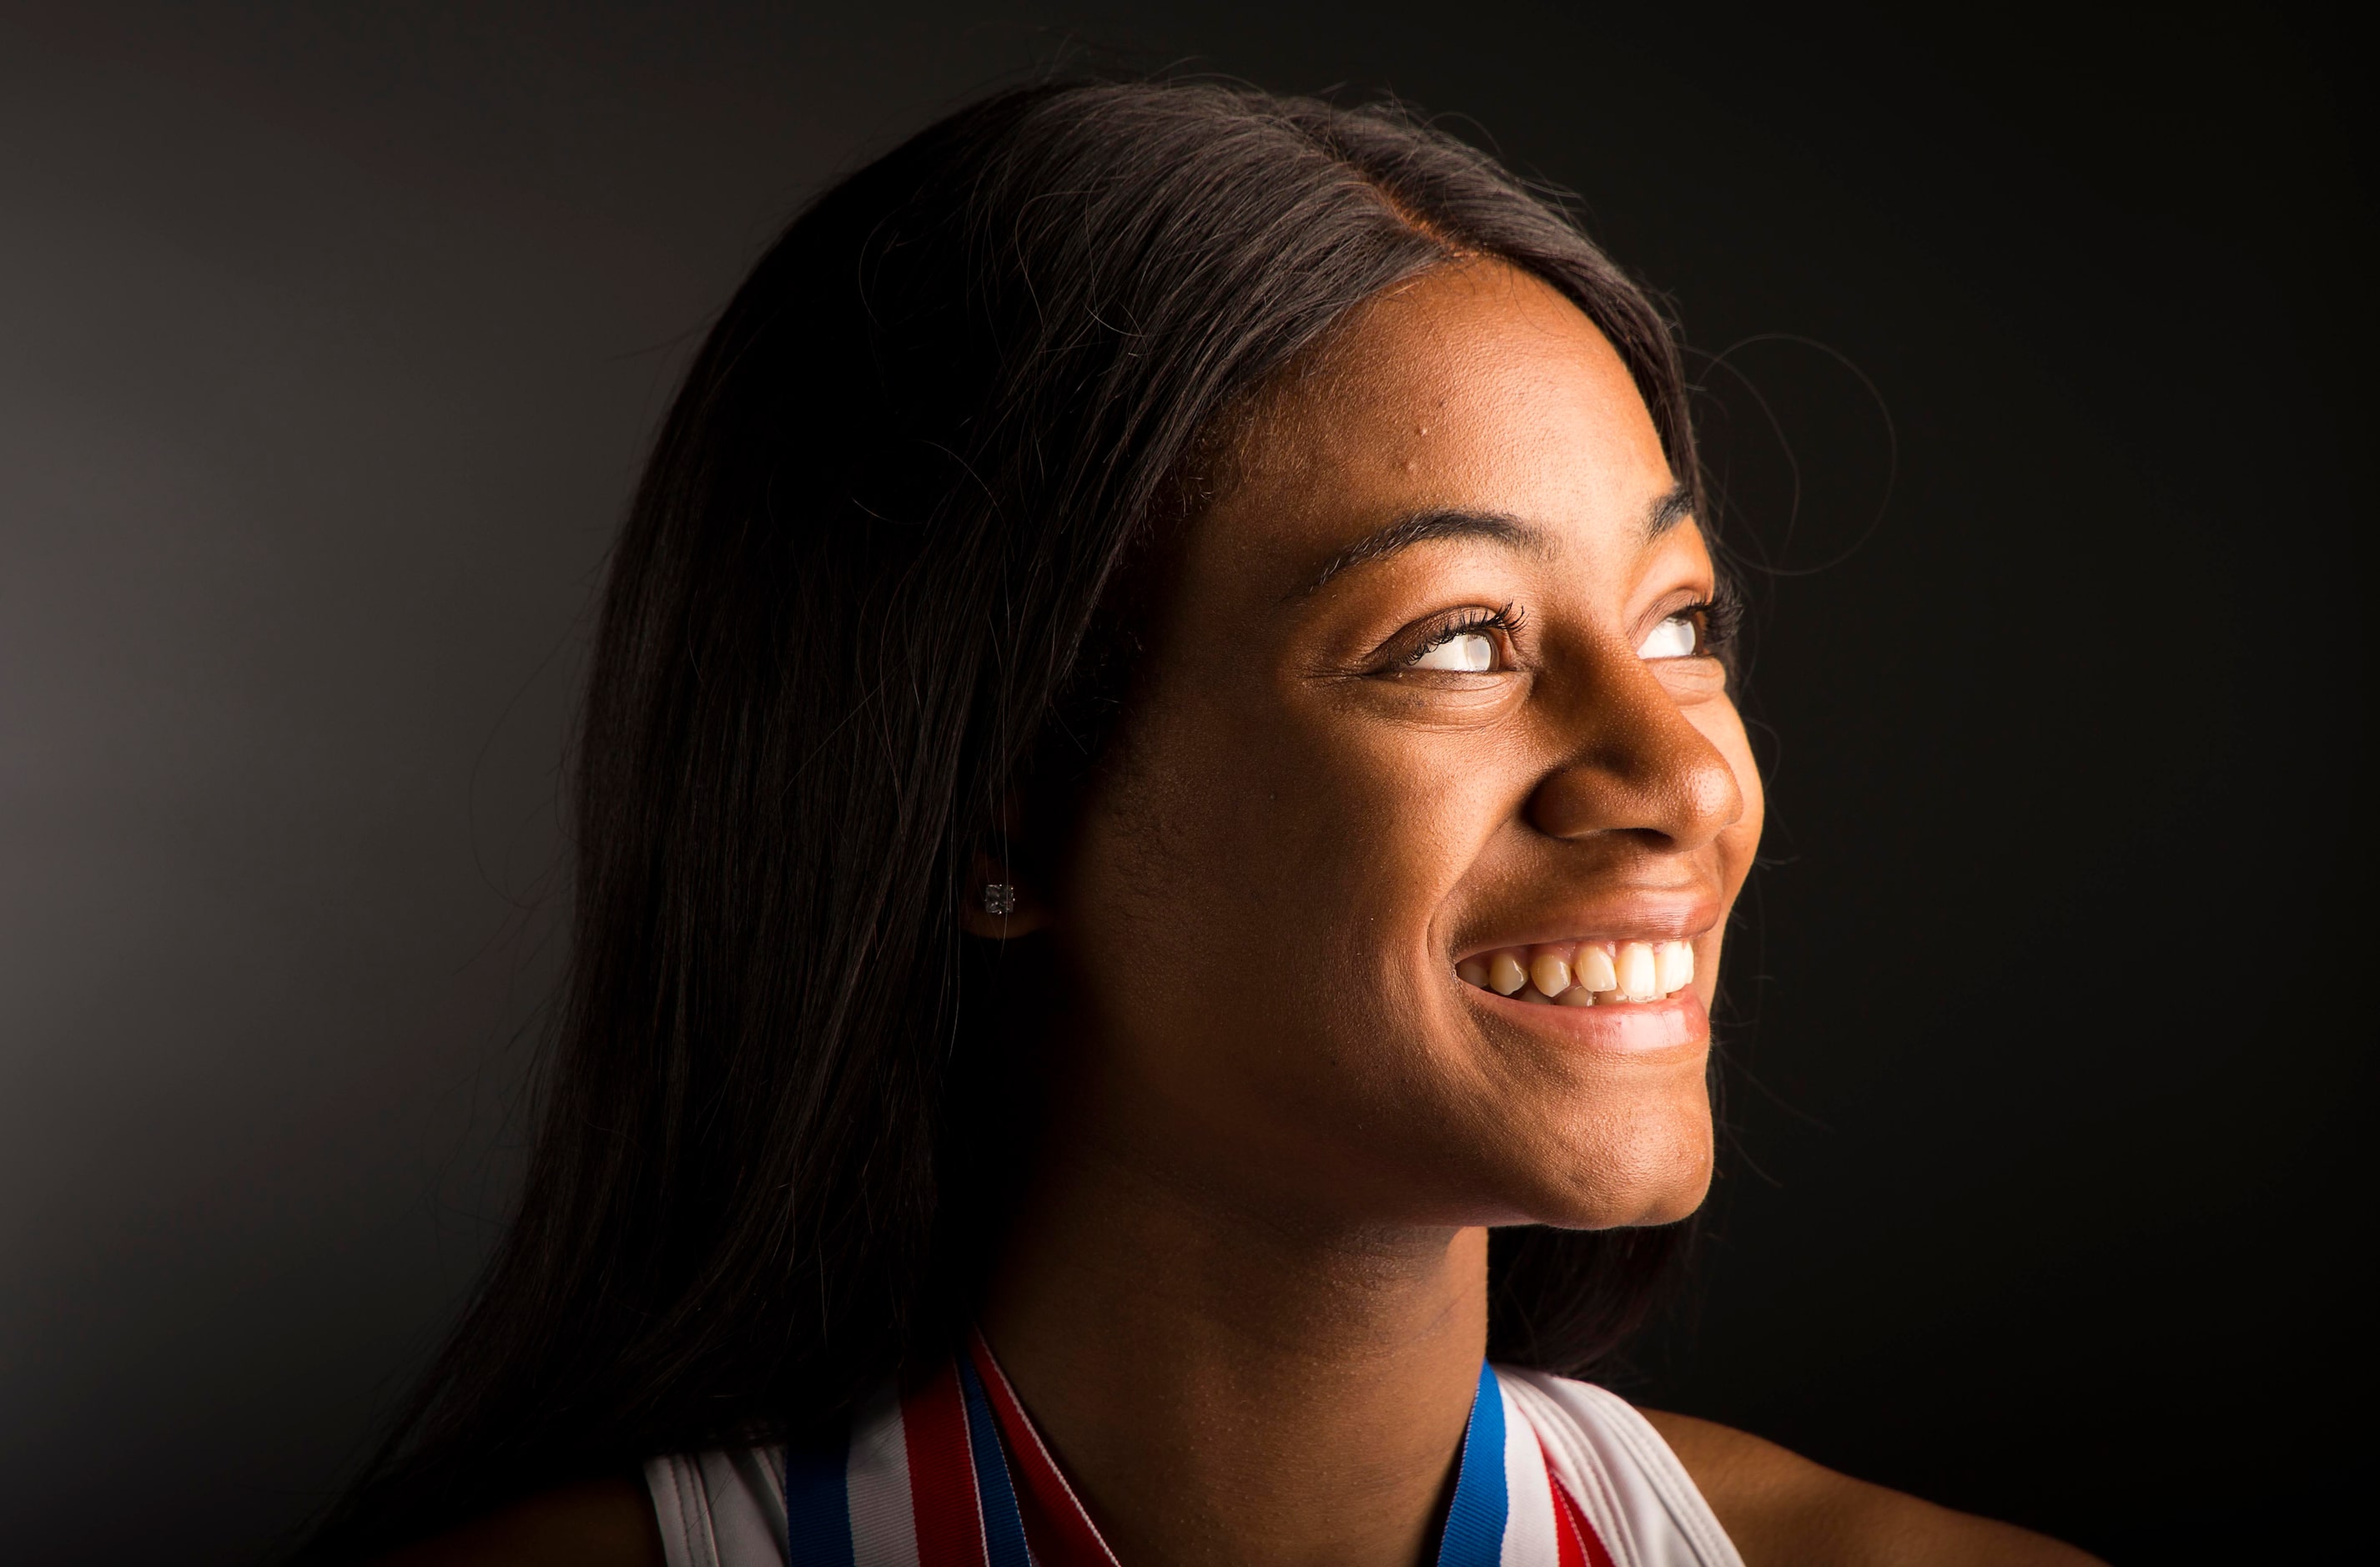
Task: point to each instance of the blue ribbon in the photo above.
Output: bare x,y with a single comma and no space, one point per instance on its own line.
1474,1520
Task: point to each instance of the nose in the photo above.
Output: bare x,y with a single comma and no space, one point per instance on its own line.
1631,763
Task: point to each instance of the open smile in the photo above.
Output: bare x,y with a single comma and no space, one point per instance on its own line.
1583,973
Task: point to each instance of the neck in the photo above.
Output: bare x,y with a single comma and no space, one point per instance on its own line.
1225,1385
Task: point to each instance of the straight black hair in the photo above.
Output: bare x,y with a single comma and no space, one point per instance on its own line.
887,557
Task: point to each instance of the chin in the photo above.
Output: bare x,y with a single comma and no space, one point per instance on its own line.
1626,1211
1676,1203
1657,1173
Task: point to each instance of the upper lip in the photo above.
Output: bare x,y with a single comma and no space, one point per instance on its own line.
1623,916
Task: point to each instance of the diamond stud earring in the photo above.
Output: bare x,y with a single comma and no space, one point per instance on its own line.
998,897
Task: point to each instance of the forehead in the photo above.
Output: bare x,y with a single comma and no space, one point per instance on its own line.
1476,388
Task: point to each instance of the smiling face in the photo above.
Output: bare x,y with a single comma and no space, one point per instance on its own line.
1428,706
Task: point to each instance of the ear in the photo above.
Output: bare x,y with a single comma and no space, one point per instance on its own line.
998,902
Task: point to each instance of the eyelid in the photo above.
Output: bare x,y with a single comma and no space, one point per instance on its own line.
1678,600
1713,601
1440,629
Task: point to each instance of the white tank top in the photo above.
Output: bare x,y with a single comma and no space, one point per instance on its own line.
727,1508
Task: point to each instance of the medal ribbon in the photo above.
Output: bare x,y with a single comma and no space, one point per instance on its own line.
953,1474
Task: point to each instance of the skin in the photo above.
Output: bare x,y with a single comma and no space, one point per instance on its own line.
1247,1299
1289,1121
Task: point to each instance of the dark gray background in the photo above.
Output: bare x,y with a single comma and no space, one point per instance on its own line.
329,339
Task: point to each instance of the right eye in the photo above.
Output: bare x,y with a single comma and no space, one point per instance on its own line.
1472,652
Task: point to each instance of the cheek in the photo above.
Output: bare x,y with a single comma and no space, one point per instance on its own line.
1291,842
1248,908
1211,863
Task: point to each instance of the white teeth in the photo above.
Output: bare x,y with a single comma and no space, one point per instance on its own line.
1673,966
1594,970
1589,974
1636,970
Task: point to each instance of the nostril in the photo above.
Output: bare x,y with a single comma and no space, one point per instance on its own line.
1642,771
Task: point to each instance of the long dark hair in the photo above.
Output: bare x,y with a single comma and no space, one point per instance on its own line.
887,558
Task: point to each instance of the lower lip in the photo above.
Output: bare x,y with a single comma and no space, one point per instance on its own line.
1624,1028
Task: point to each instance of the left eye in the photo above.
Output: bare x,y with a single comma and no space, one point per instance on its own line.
1676,637
1470,652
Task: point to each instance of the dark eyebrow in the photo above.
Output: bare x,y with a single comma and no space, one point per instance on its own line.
1420,527
1668,511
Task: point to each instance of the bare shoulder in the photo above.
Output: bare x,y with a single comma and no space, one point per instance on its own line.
1782,1509
598,1523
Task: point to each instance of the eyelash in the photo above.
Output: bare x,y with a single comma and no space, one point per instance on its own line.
1507,620
1722,615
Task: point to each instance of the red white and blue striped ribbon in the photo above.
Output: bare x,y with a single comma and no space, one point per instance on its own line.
953,1474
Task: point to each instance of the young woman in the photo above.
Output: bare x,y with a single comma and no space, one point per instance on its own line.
1158,811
